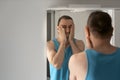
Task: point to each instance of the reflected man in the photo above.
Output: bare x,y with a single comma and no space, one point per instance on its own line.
60,49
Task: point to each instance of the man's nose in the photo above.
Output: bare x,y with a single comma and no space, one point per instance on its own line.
67,29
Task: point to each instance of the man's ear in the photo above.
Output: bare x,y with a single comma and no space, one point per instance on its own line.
112,31
87,31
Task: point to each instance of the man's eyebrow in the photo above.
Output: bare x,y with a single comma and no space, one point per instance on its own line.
65,25
70,25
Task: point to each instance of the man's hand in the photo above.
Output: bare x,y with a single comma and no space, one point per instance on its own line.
71,36
61,34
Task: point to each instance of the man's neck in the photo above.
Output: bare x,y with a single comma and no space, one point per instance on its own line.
104,46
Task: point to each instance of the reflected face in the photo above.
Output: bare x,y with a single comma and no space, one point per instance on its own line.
67,24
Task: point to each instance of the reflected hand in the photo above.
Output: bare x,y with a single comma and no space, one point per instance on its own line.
61,34
71,35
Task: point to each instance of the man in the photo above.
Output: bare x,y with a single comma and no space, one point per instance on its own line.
101,61
60,49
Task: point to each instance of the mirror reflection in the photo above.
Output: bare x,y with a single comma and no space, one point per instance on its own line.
66,36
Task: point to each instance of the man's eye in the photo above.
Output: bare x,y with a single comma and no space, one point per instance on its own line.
63,27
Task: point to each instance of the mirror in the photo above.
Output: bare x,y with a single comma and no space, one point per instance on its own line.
80,16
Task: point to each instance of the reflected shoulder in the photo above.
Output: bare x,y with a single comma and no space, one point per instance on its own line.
50,44
79,41
80,44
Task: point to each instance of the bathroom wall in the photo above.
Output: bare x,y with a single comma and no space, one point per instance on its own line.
23,36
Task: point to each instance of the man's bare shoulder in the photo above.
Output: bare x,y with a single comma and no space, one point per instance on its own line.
78,58
78,65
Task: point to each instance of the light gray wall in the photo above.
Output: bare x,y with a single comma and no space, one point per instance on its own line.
117,28
23,36
22,40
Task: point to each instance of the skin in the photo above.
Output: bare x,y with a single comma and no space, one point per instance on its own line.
65,37
78,62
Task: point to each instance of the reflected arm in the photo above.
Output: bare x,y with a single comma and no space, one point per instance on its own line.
77,46
55,58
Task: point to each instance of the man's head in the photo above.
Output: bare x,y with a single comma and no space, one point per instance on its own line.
67,23
100,24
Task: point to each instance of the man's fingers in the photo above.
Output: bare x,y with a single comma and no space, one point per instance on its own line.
57,27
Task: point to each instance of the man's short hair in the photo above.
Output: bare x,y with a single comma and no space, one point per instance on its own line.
64,17
100,24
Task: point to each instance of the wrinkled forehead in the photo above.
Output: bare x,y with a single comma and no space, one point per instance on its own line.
66,22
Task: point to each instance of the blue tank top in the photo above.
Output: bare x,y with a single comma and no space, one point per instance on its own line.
63,72
103,66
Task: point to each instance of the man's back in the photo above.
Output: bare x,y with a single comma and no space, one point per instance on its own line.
92,65
103,66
